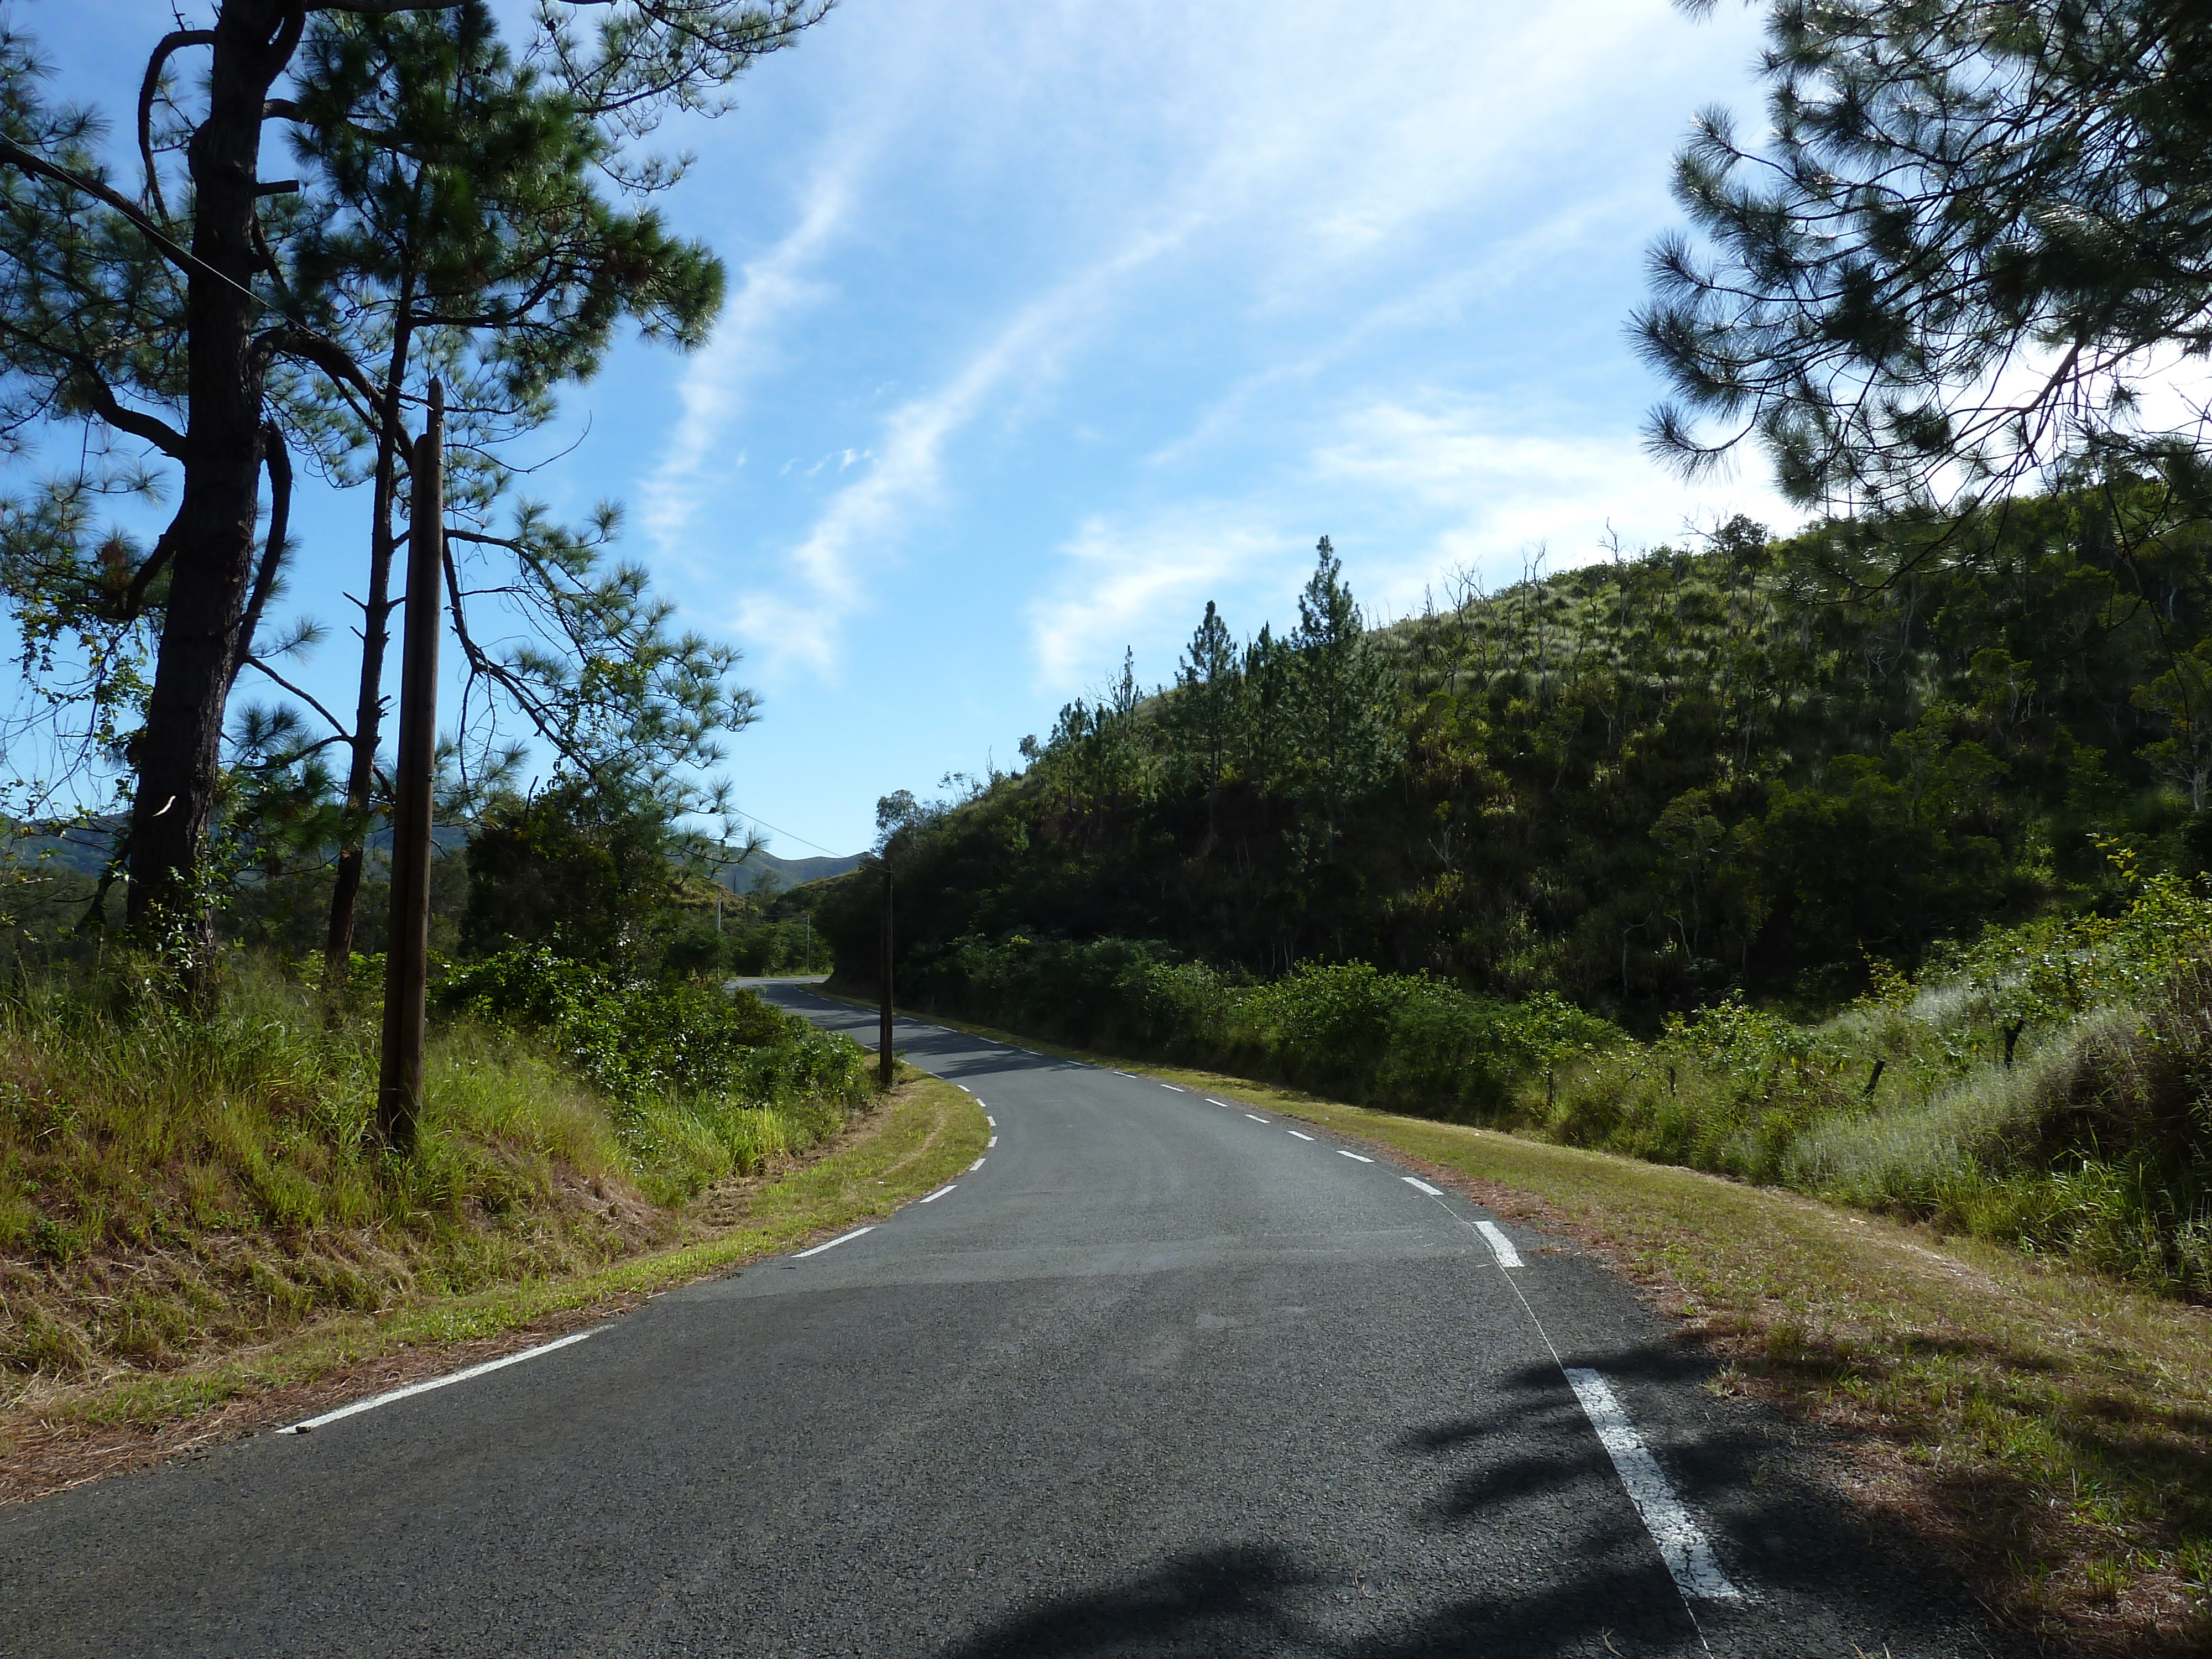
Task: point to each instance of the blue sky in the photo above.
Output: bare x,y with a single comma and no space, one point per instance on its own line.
1050,321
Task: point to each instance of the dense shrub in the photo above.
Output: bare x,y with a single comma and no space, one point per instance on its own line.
705,1082
1412,1041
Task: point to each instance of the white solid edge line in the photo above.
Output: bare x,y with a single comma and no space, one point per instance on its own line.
1256,1117
1415,1180
1354,1157
1682,1542
376,1400
841,1239
976,1165
939,1194
1301,1136
1501,1246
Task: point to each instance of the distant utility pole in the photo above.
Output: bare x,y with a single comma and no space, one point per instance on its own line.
407,959
883,1022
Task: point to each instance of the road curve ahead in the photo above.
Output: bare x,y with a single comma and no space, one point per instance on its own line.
1160,1376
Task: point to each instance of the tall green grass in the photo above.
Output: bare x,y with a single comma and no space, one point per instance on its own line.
2050,1087
170,1181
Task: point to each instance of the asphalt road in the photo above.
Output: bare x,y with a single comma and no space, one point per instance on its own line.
1159,1376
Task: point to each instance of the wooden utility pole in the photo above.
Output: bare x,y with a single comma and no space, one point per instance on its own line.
407,953
884,1062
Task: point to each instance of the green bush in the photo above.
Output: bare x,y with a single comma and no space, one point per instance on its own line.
705,1082
2050,1086
1412,1041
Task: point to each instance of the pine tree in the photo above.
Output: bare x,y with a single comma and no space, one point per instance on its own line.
1266,729
191,322
1209,691
1341,692
464,235
1975,232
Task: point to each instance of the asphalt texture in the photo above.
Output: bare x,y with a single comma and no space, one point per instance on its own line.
1158,1377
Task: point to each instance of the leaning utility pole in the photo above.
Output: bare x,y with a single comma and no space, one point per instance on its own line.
884,1062
407,952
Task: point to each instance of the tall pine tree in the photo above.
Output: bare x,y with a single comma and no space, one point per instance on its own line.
1206,712
1347,741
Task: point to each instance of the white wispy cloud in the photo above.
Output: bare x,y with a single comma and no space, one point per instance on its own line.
711,394
1483,491
868,516
1142,583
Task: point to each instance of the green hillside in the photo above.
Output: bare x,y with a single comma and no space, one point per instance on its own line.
1638,785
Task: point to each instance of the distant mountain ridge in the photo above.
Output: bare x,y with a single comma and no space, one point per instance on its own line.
84,851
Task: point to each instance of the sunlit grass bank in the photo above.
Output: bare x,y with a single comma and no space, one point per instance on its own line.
2050,1088
173,1184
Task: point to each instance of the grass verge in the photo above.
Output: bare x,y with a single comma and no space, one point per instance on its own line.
2051,1429
58,1434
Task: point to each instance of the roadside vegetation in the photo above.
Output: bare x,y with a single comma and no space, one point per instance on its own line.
171,1185
2043,1087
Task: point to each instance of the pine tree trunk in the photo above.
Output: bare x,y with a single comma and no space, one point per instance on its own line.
179,751
375,639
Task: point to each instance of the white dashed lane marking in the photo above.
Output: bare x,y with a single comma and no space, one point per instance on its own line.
1500,1246
1301,1136
1682,1542
842,1238
414,1389
1354,1157
1256,1117
1415,1180
939,1194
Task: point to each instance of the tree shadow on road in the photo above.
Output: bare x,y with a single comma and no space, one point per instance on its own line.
1263,1598
1557,1562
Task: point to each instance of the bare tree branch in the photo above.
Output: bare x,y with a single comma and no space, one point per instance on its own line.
307,697
134,421
279,460
173,42
134,597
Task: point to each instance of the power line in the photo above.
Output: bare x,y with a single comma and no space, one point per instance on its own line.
801,839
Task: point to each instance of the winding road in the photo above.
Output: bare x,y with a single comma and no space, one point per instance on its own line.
1162,1375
